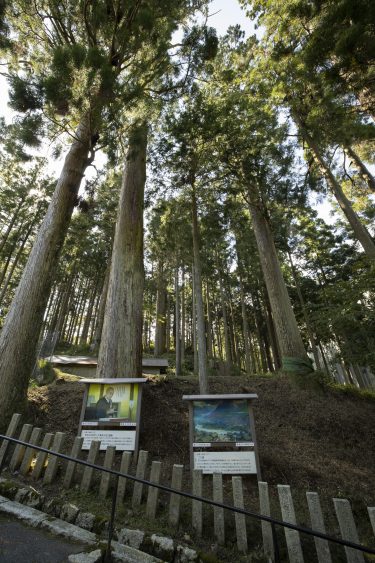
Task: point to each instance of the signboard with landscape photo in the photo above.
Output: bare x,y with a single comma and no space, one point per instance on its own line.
222,434
223,420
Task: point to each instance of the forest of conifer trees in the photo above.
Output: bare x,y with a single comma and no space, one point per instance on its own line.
186,219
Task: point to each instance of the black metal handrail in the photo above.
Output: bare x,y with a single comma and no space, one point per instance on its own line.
273,521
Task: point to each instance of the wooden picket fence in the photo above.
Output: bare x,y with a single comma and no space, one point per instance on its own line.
40,466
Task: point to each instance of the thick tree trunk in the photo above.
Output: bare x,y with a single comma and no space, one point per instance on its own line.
305,315
232,331
194,326
324,358
86,325
101,311
362,168
168,324
228,351
271,332
360,231
76,315
267,346
254,357
81,312
161,302
63,310
246,332
201,333
262,349
19,336
209,325
177,324
51,320
49,310
288,335
218,334
70,314
183,319
120,353
94,319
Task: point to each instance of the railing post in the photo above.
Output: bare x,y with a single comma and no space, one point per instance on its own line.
276,551
264,505
19,450
12,429
108,556
240,519
348,529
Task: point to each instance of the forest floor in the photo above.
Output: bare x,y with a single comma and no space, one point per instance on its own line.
310,437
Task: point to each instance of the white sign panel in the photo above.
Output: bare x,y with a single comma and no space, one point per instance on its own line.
122,439
243,444
201,445
233,463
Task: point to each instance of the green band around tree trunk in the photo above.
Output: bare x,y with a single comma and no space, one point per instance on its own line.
297,365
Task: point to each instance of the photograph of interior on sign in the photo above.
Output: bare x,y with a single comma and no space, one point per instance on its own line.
106,403
222,421
111,413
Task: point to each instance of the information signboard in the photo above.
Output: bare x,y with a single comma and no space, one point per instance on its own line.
111,413
231,462
222,434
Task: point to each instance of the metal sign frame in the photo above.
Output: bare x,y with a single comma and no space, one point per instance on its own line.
223,446
113,425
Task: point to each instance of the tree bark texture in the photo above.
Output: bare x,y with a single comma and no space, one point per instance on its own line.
120,353
245,328
183,319
271,332
177,324
94,318
288,335
19,336
228,351
209,325
62,308
261,344
94,347
86,325
201,333
161,305
168,324
194,325
310,332
232,333
81,311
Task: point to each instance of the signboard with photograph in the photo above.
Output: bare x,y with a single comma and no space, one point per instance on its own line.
221,420
111,413
222,434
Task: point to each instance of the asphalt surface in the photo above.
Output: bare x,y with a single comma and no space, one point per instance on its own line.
22,544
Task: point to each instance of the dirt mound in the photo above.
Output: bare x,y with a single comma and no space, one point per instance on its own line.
310,439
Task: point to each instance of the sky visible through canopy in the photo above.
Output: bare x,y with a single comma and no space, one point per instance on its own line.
222,14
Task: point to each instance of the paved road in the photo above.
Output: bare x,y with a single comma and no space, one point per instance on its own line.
22,544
